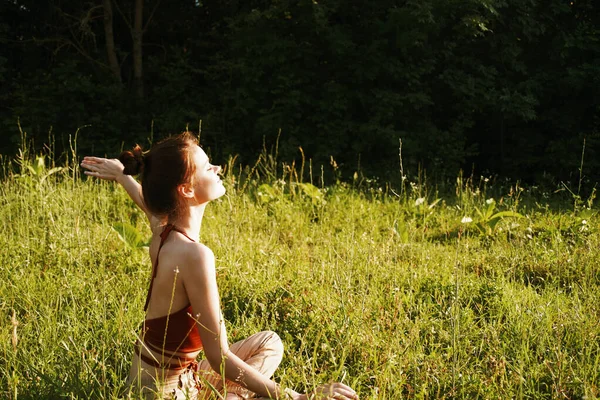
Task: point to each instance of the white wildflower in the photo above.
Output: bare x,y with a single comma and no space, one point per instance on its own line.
490,201
466,220
419,201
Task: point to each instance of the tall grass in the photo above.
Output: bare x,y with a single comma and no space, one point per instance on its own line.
391,294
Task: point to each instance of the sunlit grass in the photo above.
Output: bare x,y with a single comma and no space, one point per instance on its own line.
389,293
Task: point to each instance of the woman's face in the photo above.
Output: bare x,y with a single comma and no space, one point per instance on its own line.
207,183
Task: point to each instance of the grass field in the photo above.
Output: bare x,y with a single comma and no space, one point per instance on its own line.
398,294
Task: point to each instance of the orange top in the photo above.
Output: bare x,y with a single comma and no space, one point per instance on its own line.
176,332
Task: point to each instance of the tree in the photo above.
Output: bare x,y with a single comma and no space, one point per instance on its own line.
110,40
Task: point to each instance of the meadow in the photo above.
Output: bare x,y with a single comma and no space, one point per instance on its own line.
479,289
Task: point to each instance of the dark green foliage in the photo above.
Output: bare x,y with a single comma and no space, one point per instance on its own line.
506,86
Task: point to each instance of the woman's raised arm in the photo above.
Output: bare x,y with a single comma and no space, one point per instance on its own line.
112,170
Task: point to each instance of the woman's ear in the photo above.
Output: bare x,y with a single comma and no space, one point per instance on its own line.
186,190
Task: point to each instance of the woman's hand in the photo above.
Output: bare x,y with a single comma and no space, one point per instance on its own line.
103,168
337,391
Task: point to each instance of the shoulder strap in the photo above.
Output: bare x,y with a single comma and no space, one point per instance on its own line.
176,229
163,237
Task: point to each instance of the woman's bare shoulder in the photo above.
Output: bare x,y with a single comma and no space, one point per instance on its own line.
199,259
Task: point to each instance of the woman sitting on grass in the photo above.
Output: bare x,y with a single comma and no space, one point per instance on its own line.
183,313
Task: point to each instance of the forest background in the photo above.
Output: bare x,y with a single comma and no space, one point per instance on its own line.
501,87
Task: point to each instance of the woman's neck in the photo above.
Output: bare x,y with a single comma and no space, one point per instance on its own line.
192,222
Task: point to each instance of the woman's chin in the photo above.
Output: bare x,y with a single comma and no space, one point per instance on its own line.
221,191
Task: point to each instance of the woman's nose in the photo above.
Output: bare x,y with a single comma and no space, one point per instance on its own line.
217,169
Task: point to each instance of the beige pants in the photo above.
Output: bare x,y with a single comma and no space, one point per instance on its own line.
263,351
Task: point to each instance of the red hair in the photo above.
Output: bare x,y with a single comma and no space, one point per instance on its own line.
168,164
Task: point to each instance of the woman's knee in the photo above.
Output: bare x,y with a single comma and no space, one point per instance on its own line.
271,341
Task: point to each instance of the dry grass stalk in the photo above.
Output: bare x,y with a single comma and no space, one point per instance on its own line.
15,323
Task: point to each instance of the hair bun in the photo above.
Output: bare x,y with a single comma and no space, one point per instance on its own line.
133,161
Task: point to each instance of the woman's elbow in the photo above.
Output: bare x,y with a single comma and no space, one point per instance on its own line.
217,361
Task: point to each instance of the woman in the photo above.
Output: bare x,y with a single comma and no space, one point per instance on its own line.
183,313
